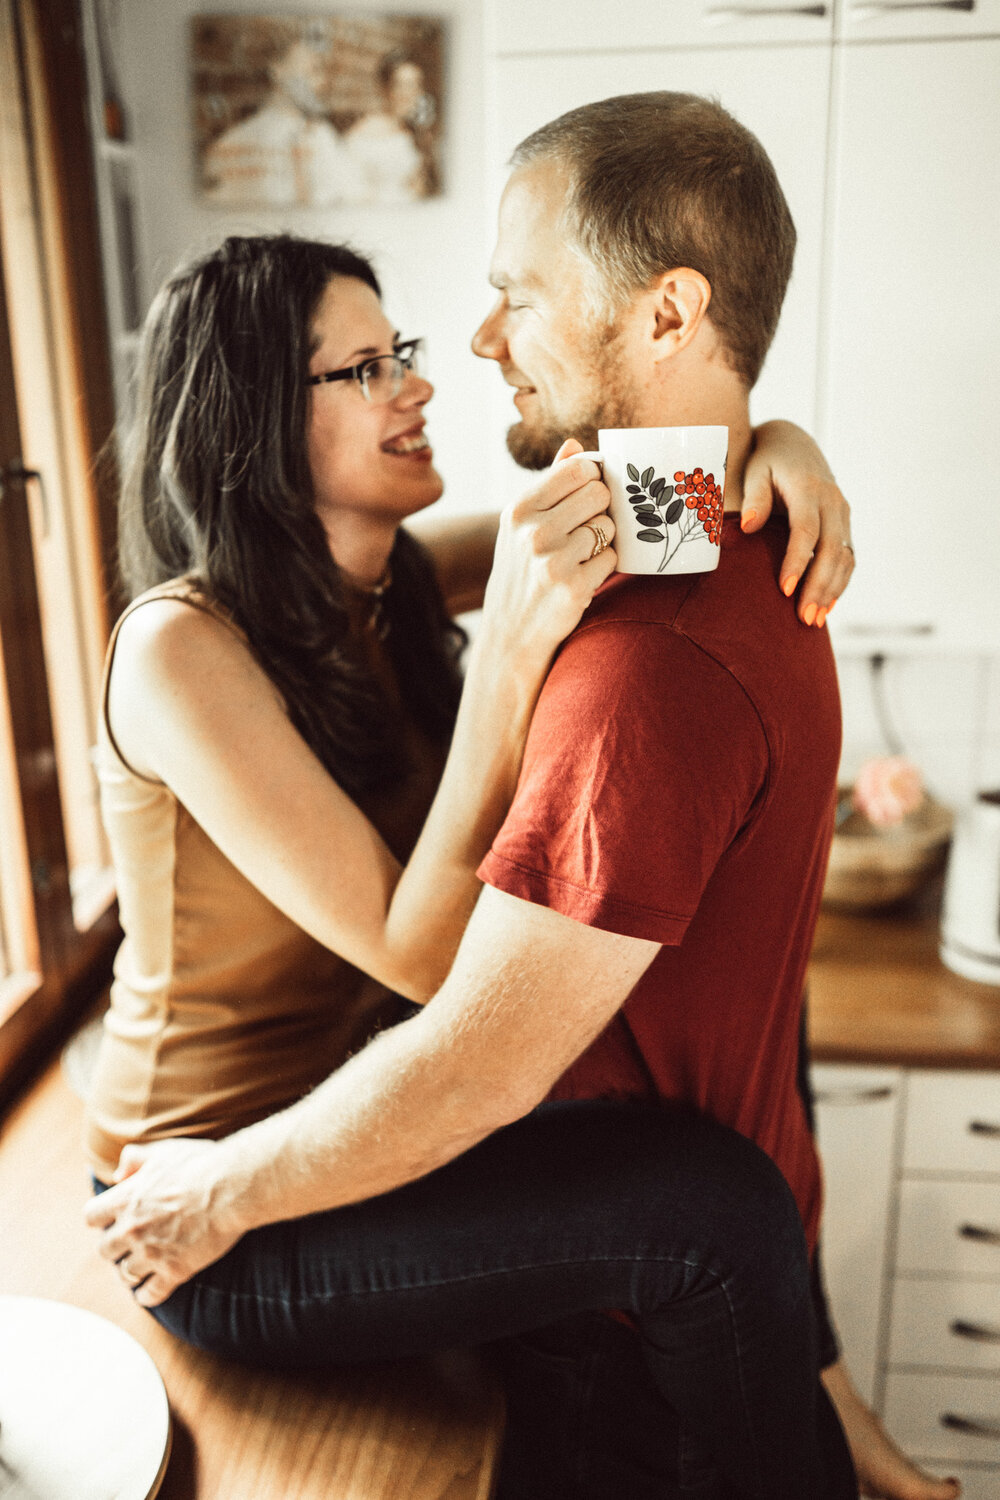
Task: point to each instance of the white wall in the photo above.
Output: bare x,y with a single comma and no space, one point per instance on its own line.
431,256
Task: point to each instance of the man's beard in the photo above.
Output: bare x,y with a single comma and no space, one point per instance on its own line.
536,446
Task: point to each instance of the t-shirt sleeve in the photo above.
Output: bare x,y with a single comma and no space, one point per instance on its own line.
644,763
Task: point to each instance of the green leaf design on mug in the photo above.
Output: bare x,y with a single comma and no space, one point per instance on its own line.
632,472
647,475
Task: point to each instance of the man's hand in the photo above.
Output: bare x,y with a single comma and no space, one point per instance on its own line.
165,1218
787,465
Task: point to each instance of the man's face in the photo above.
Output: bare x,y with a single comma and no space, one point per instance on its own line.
566,365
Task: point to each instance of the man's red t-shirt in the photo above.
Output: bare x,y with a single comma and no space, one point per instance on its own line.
678,785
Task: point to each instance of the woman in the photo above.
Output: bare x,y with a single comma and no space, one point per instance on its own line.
278,705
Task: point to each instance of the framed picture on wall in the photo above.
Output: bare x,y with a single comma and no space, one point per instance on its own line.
314,111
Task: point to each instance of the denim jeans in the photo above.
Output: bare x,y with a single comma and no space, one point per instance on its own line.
655,1210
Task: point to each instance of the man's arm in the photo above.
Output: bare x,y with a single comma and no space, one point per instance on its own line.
528,992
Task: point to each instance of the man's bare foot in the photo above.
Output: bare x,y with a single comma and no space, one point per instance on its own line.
883,1471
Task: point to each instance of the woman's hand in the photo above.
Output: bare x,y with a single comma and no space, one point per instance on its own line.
166,1217
787,466
544,572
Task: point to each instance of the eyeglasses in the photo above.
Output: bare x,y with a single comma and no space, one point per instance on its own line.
380,378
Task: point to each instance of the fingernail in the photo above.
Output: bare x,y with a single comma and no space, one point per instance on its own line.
747,519
809,613
790,584
821,618
830,605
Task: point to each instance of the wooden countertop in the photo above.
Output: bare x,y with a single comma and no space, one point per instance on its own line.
878,993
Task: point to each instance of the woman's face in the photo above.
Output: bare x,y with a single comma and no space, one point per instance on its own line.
372,460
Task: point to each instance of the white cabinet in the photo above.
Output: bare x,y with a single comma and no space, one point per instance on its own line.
911,1238
857,1119
881,118
908,415
871,20
521,26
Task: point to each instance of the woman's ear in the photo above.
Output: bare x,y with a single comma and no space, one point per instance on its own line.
680,301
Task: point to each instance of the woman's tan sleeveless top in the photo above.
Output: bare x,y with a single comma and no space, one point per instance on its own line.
222,1009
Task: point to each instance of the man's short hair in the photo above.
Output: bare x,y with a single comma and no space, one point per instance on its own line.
662,180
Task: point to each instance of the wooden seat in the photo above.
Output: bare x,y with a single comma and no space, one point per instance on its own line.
420,1429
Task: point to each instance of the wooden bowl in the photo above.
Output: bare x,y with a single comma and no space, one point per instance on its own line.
871,867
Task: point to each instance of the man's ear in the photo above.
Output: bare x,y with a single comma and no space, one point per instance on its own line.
680,302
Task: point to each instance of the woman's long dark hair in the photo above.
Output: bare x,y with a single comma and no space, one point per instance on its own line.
216,486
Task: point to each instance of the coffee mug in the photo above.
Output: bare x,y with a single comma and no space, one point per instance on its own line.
666,487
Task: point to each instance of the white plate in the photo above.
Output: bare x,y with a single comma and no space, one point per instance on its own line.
83,1411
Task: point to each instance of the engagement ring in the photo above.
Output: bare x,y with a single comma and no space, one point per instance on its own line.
600,540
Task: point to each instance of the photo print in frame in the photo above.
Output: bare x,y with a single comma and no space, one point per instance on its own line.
313,111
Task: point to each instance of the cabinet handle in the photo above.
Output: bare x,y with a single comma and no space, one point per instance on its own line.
984,1127
969,1425
981,1235
723,13
883,7
974,1331
854,1096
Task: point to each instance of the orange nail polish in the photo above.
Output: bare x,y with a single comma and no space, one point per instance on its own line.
809,613
830,605
747,519
821,618
789,585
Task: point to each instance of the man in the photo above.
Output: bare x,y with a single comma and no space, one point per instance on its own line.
649,904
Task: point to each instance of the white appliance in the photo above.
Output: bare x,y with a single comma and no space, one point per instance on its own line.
970,915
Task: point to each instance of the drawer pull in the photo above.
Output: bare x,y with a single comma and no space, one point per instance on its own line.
854,1096
980,1234
975,1331
969,1425
722,13
986,1128
881,7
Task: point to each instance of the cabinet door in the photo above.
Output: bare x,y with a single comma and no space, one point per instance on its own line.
781,94
868,20
522,26
909,413
857,1120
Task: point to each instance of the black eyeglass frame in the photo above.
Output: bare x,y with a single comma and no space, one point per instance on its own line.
405,355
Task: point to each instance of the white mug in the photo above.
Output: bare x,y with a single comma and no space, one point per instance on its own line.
666,487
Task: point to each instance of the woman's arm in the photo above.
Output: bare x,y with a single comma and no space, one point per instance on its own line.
190,706
787,466
461,549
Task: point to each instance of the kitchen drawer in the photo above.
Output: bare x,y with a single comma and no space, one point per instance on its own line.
954,1324
949,1227
952,1123
885,20
945,1416
524,26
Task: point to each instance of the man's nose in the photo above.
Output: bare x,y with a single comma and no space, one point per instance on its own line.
489,340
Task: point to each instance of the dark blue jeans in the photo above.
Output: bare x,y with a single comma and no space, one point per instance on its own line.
577,1208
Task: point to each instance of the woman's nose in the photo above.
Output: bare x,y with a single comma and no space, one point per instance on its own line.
416,390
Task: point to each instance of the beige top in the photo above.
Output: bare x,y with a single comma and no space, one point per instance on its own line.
222,1009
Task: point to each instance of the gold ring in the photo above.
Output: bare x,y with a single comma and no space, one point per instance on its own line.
600,540
849,548
125,1274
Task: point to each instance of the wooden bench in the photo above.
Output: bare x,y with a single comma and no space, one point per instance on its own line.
416,1430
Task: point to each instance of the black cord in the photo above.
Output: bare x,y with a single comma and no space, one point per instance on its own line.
876,663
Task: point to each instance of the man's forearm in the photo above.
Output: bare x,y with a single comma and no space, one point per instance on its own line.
395,1111
529,991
